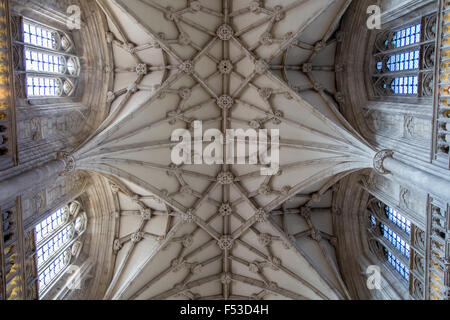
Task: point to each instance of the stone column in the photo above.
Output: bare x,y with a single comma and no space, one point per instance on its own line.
384,163
15,186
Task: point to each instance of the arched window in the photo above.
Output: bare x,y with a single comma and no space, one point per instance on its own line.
57,242
398,244
50,66
403,60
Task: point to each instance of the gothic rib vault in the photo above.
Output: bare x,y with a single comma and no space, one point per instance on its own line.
224,231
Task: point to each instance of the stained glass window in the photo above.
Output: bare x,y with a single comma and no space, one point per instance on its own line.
379,66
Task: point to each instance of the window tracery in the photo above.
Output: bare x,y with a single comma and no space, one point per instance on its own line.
57,241
398,244
403,60
50,67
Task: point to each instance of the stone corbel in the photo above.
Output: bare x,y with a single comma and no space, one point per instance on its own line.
70,163
378,161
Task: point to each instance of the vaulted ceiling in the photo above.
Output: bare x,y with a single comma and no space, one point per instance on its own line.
224,231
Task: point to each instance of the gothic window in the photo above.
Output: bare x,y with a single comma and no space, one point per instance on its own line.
403,60
49,66
57,242
396,242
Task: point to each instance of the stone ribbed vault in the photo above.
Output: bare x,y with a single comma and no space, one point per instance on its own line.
218,232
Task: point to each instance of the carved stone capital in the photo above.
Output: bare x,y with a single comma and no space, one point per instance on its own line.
69,161
378,160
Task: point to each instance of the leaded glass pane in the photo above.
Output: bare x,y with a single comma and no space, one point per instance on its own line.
408,36
396,241
46,228
397,265
47,276
398,219
39,36
407,85
404,61
43,86
37,61
47,251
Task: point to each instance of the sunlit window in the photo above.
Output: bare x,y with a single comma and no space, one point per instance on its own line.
50,224
50,70
54,245
38,61
55,268
56,241
43,86
39,36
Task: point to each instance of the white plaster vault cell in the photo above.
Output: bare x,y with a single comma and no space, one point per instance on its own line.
204,236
